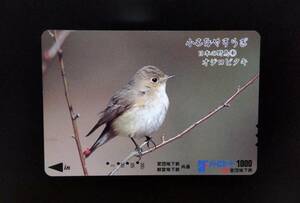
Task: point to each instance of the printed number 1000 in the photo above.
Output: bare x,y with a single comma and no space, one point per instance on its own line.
244,163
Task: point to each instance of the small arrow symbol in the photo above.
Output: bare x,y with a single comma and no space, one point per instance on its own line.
57,167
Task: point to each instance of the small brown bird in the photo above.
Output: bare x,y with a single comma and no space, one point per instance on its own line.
136,111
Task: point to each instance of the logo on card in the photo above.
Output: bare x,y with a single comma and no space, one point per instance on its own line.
219,166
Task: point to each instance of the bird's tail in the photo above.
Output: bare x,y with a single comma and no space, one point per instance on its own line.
101,140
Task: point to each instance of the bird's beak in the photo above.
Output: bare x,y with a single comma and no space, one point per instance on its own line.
167,77
170,76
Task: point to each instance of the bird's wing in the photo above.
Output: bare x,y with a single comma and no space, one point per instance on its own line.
117,105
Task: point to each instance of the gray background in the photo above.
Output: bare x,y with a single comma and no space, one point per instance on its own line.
99,62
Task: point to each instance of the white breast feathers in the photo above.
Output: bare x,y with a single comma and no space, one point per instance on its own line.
144,120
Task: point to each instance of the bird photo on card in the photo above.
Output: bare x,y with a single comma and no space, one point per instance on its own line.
136,111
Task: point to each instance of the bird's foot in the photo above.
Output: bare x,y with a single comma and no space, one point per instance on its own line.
149,140
139,151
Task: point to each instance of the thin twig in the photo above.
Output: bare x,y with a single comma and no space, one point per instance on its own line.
72,114
50,53
184,132
54,49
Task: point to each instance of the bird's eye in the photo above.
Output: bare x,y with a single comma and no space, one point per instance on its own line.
154,79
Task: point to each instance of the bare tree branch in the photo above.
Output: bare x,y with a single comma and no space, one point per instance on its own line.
73,116
184,132
54,49
49,54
